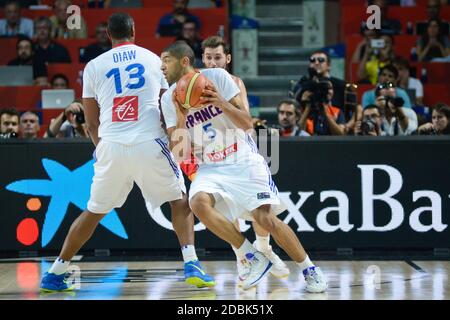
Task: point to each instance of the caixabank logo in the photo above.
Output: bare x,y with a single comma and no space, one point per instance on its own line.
64,187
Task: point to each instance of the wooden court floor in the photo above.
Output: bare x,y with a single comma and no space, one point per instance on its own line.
348,280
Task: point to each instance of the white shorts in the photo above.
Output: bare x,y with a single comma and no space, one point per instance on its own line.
238,188
150,164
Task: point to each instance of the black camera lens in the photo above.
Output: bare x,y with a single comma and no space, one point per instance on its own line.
79,118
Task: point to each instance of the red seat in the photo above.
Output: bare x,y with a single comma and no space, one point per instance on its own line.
74,45
434,93
49,114
8,48
22,98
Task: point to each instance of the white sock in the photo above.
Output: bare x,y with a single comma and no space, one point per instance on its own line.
237,253
305,263
246,247
189,253
59,266
263,243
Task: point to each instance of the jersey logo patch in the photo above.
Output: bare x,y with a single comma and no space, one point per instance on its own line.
221,155
125,109
263,195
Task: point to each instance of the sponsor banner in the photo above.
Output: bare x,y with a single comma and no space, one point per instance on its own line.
353,193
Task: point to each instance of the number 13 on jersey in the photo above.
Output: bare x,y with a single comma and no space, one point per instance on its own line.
135,71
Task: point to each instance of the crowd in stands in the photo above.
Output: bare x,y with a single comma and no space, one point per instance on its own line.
319,104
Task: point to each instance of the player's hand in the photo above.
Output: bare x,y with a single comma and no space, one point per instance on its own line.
210,95
181,111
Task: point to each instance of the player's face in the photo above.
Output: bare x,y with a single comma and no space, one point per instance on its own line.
171,67
215,58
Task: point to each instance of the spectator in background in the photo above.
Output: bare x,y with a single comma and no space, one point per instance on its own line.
26,57
288,118
102,45
59,81
396,120
380,54
321,118
319,67
440,121
434,13
365,45
371,122
406,82
190,34
69,124
387,74
9,123
388,26
433,44
29,125
170,24
59,23
45,49
14,25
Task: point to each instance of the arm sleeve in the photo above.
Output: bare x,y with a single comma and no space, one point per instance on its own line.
88,82
168,110
225,84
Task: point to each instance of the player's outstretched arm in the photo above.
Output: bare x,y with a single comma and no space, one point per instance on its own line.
234,108
92,116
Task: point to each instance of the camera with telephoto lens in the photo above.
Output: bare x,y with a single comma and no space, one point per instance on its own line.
79,118
8,135
319,88
367,126
397,101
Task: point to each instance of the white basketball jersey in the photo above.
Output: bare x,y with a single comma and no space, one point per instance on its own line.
126,82
216,139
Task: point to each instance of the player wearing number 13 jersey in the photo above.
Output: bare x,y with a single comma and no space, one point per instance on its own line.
121,90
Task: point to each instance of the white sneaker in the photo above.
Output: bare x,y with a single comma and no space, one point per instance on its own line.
279,269
315,281
259,266
243,269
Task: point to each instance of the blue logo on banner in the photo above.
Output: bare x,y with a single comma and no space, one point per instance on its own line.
65,187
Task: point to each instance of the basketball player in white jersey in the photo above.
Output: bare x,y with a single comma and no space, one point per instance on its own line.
233,180
121,90
216,54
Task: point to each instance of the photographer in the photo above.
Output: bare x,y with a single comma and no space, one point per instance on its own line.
440,121
318,116
397,120
69,124
9,123
370,124
319,67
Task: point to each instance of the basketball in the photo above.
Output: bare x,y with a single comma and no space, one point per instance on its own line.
189,89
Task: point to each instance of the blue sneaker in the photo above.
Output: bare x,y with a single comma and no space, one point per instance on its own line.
196,276
52,282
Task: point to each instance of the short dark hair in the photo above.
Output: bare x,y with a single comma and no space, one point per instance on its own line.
180,49
322,52
60,75
291,102
215,42
43,19
10,2
10,111
120,26
190,20
371,106
24,38
391,68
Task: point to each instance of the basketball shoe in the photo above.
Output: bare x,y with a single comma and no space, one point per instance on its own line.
256,267
196,276
279,269
52,283
315,281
